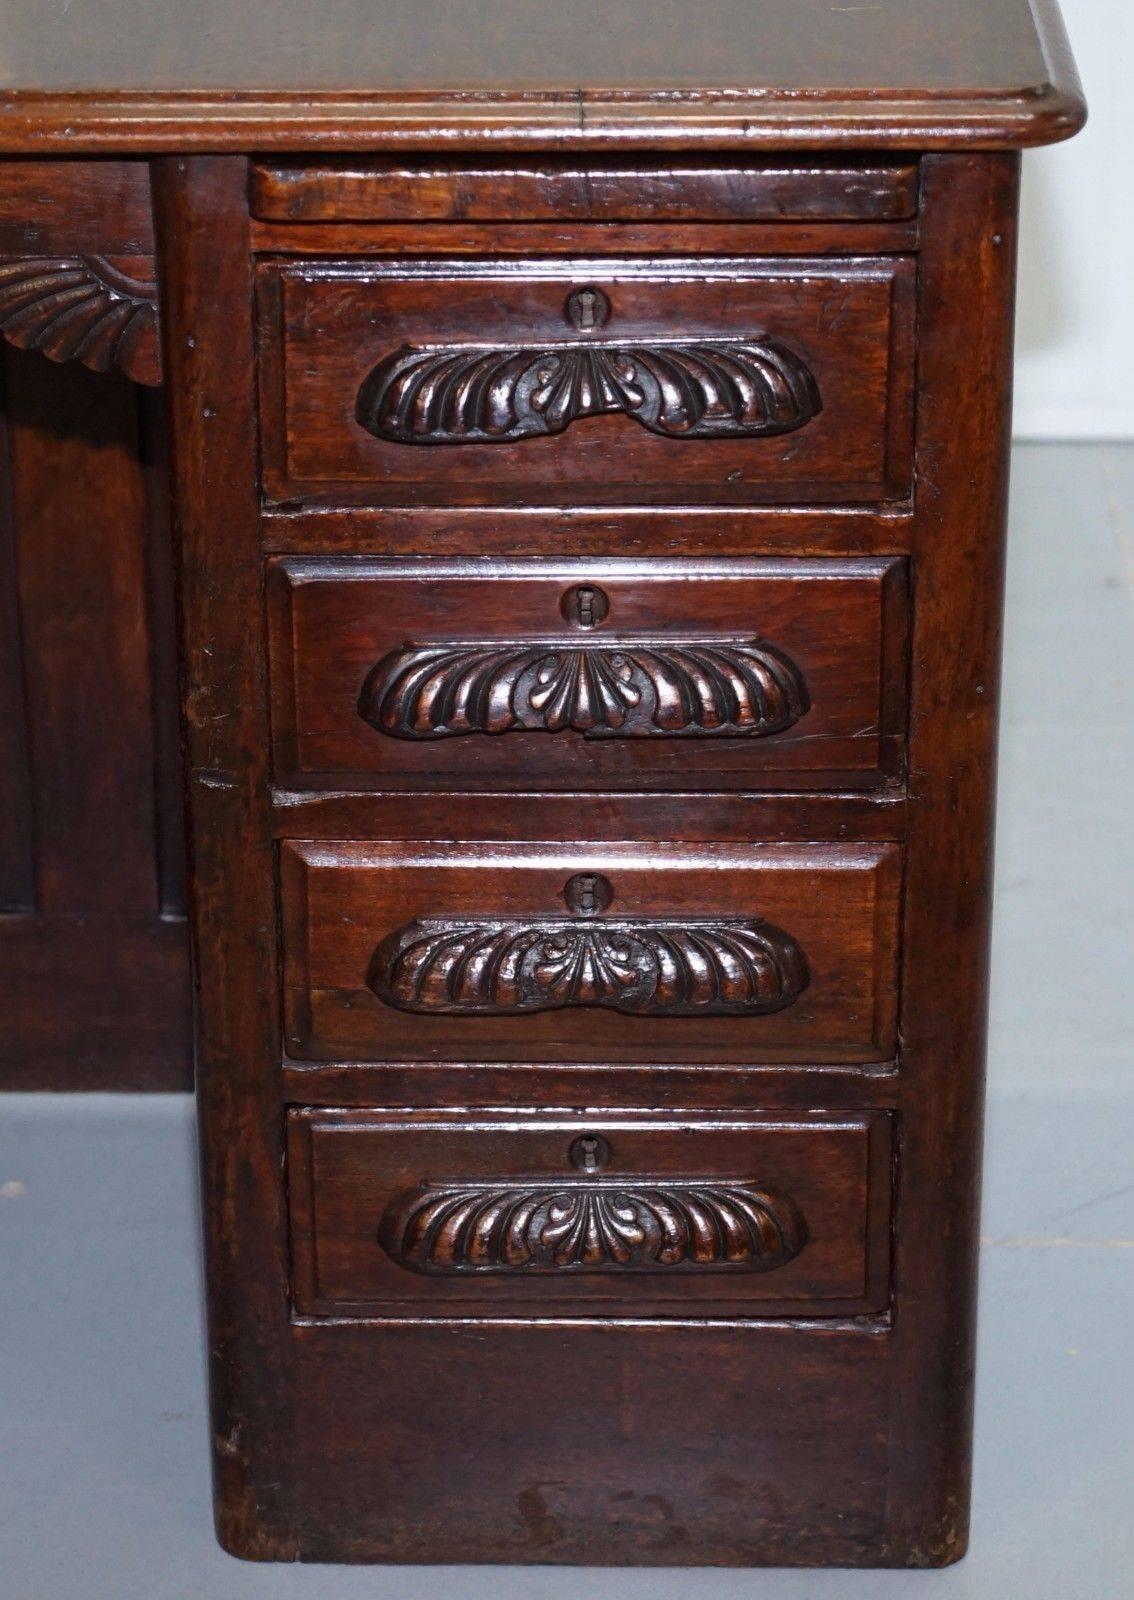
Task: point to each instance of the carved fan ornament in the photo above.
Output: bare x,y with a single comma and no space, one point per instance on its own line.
82,308
692,966
606,688
498,394
597,1225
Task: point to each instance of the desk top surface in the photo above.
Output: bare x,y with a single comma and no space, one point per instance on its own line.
86,75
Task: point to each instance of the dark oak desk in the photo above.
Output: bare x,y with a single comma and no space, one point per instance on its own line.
587,448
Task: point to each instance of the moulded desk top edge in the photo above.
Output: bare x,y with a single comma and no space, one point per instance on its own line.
919,74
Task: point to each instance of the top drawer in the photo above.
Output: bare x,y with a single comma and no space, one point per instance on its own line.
565,191
584,382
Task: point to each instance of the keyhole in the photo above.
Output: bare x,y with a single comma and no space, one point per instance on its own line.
587,309
585,606
590,1153
588,894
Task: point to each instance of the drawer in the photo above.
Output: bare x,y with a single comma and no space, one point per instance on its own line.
435,1215
599,191
583,675
580,382
571,952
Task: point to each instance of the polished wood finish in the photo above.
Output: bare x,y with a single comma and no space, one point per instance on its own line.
678,191
816,1493
17,861
692,1217
956,642
206,287
434,674
83,308
360,75
99,208
95,1002
705,818
590,530
589,469
838,903
583,240
846,327
664,1085
76,264
360,1028
94,980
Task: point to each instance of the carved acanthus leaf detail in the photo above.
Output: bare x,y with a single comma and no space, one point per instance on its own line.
486,394
692,967
82,308
602,1225
610,688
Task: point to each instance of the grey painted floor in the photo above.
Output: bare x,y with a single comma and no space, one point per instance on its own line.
103,1469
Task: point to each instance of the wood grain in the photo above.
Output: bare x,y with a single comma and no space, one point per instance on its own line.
838,903
665,1086
966,366
94,981
326,326
96,309
206,288
354,76
100,208
499,817
95,1003
680,191
658,1273
590,530
584,240
829,1176
839,627
78,507
407,1383
812,1494
91,1000
76,263
17,838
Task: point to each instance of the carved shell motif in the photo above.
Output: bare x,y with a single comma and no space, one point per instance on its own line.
485,394
612,688
83,308
696,967
644,1225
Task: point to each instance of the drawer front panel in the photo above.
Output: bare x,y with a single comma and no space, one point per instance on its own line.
446,1215
746,382
565,191
583,675
610,953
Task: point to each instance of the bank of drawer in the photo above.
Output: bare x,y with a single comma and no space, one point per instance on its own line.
448,1214
596,675
734,381
569,952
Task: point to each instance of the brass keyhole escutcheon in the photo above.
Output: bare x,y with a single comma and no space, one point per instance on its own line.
587,309
588,894
590,1153
585,606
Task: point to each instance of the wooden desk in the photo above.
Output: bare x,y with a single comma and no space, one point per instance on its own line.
588,438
